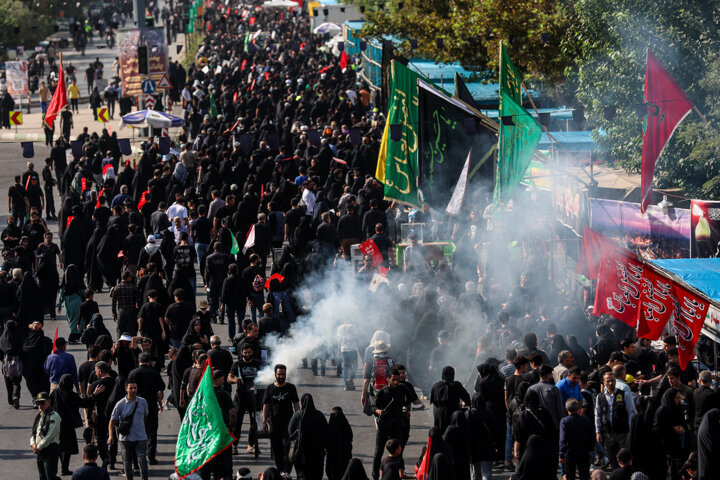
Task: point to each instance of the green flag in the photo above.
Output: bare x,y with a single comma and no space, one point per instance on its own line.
516,144
213,107
235,249
400,157
510,79
203,433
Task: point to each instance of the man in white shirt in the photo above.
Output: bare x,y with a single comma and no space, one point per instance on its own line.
178,209
308,197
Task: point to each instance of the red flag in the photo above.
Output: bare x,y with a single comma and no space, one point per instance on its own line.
107,167
591,253
667,106
59,98
688,321
143,199
69,219
344,60
658,304
57,327
273,277
251,21
369,247
242,67
424,468
618,290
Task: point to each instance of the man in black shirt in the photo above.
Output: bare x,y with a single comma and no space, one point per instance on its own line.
151,323
371,218
200,228
279,403
178,316
102,419
31,182
255,298
383,242
18,203
184,256
243,373
215,272
150,386
391,405
292,219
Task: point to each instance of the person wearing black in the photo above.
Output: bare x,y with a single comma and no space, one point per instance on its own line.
150,386
11,343
706,398
279,403
576,441
216,265
412,399
66,403
533,420
254,298
35,350
292,219
339,444
537,462
101,421
18,202
243,373
310,427
220,358
151,324
391,404
232,299
484,428
47,174
458,439
221,465
178,316
31,182
709,446
447,395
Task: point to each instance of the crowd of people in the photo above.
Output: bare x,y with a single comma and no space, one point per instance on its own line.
207,251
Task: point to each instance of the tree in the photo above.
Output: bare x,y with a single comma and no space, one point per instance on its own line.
533,30
612,37
33,26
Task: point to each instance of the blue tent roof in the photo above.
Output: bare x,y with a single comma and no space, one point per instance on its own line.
581,141
700,273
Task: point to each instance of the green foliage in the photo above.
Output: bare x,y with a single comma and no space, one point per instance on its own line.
34,26
472,30
612,37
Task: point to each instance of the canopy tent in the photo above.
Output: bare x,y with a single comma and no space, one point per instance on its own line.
280,4
703,276
327,27
151,118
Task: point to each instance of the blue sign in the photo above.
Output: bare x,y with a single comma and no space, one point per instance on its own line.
148,86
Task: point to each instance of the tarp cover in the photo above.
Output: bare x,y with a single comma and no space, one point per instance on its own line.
701,273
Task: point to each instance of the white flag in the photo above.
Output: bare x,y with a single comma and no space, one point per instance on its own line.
249,239
376,280
455,204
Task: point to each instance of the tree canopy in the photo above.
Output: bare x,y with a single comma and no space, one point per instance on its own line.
588,53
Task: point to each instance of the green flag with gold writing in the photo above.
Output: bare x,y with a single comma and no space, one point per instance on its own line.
203,433
517,142
400,156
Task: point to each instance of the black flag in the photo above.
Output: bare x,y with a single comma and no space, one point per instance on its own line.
462,92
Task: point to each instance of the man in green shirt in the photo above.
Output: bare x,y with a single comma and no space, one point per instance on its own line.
45,438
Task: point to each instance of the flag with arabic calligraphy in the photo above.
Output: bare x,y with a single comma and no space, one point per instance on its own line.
516,142
203,434
688,322
619,286
657,304
667,106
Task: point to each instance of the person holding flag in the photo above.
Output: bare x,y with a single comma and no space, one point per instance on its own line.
59,99
204,433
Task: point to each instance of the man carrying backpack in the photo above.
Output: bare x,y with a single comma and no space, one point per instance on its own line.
254,282
376,373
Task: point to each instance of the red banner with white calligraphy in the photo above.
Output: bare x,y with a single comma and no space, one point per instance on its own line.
640,296
688,321
619,286
657,304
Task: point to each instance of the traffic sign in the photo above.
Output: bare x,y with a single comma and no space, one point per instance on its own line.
149,102
102,114
148,86
164,83
15,117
